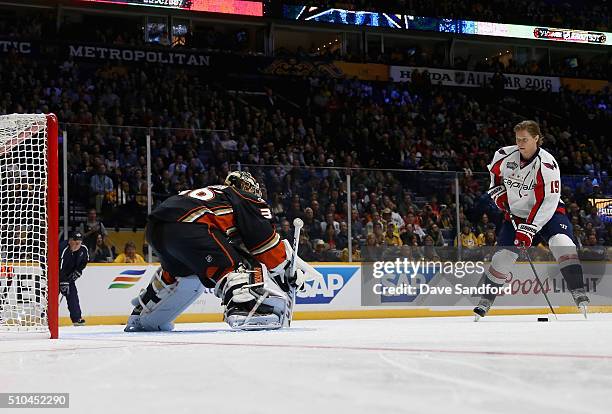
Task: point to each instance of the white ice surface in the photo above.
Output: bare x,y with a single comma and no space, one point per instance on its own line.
511,364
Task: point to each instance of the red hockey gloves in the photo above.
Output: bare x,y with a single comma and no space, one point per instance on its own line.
524,235
499,196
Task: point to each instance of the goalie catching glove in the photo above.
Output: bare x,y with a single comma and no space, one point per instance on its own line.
303,271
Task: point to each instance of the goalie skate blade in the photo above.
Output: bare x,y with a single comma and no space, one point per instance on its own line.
250,327
254,324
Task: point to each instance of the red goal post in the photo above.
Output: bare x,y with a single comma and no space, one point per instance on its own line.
29,224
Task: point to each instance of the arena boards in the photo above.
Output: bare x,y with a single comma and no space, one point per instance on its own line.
106,289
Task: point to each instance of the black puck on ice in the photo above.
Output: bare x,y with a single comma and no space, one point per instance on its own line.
543,319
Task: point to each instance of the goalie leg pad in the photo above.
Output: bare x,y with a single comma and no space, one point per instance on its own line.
160,303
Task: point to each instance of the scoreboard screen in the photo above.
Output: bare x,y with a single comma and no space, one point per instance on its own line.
241,7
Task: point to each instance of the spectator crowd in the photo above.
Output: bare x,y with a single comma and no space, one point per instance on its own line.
198,132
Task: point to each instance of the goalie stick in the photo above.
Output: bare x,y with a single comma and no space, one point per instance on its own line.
297,224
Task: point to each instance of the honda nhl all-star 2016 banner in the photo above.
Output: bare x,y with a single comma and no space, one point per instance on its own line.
344,290
465,78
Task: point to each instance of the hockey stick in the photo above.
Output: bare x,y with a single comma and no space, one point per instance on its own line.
297,224
533,269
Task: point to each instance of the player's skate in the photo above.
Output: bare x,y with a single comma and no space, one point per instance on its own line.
581,299
483,307
486,301
249,304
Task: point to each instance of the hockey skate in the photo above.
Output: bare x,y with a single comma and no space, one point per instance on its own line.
249,303
485,303
251,317
483,307
581,300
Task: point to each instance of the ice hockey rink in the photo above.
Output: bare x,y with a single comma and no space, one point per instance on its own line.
503,364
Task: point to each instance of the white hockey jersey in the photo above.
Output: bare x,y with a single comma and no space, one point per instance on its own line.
533,186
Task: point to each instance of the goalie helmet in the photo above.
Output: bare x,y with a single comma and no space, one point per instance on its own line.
243,181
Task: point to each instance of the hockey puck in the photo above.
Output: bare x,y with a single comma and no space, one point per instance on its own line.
543,319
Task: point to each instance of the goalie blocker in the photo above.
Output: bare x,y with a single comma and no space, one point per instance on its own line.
220,237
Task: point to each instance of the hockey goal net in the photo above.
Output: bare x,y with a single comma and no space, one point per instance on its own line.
28,224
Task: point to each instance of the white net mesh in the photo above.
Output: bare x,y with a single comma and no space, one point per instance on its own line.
23,223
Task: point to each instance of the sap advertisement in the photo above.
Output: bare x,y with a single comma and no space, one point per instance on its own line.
240,7
107,289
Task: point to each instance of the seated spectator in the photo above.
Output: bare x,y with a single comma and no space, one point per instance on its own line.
375,218
379,234
102,252
437,236
178,166
428,250
100,185
357,227
591,250
447,221
391,237
341,239
320,251
330,237
129,254
392,217
413,220
467,237
344,255
312,226
372,249
408,235
277,207
481,227
285,231
91,228
330,222
305,250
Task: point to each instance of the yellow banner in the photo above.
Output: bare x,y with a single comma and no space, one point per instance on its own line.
364,71
592,85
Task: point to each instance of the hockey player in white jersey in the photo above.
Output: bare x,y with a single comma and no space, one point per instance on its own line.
526,186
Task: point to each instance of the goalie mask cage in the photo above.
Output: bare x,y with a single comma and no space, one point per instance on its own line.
29,205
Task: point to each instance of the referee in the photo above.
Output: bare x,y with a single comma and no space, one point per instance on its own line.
73,259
